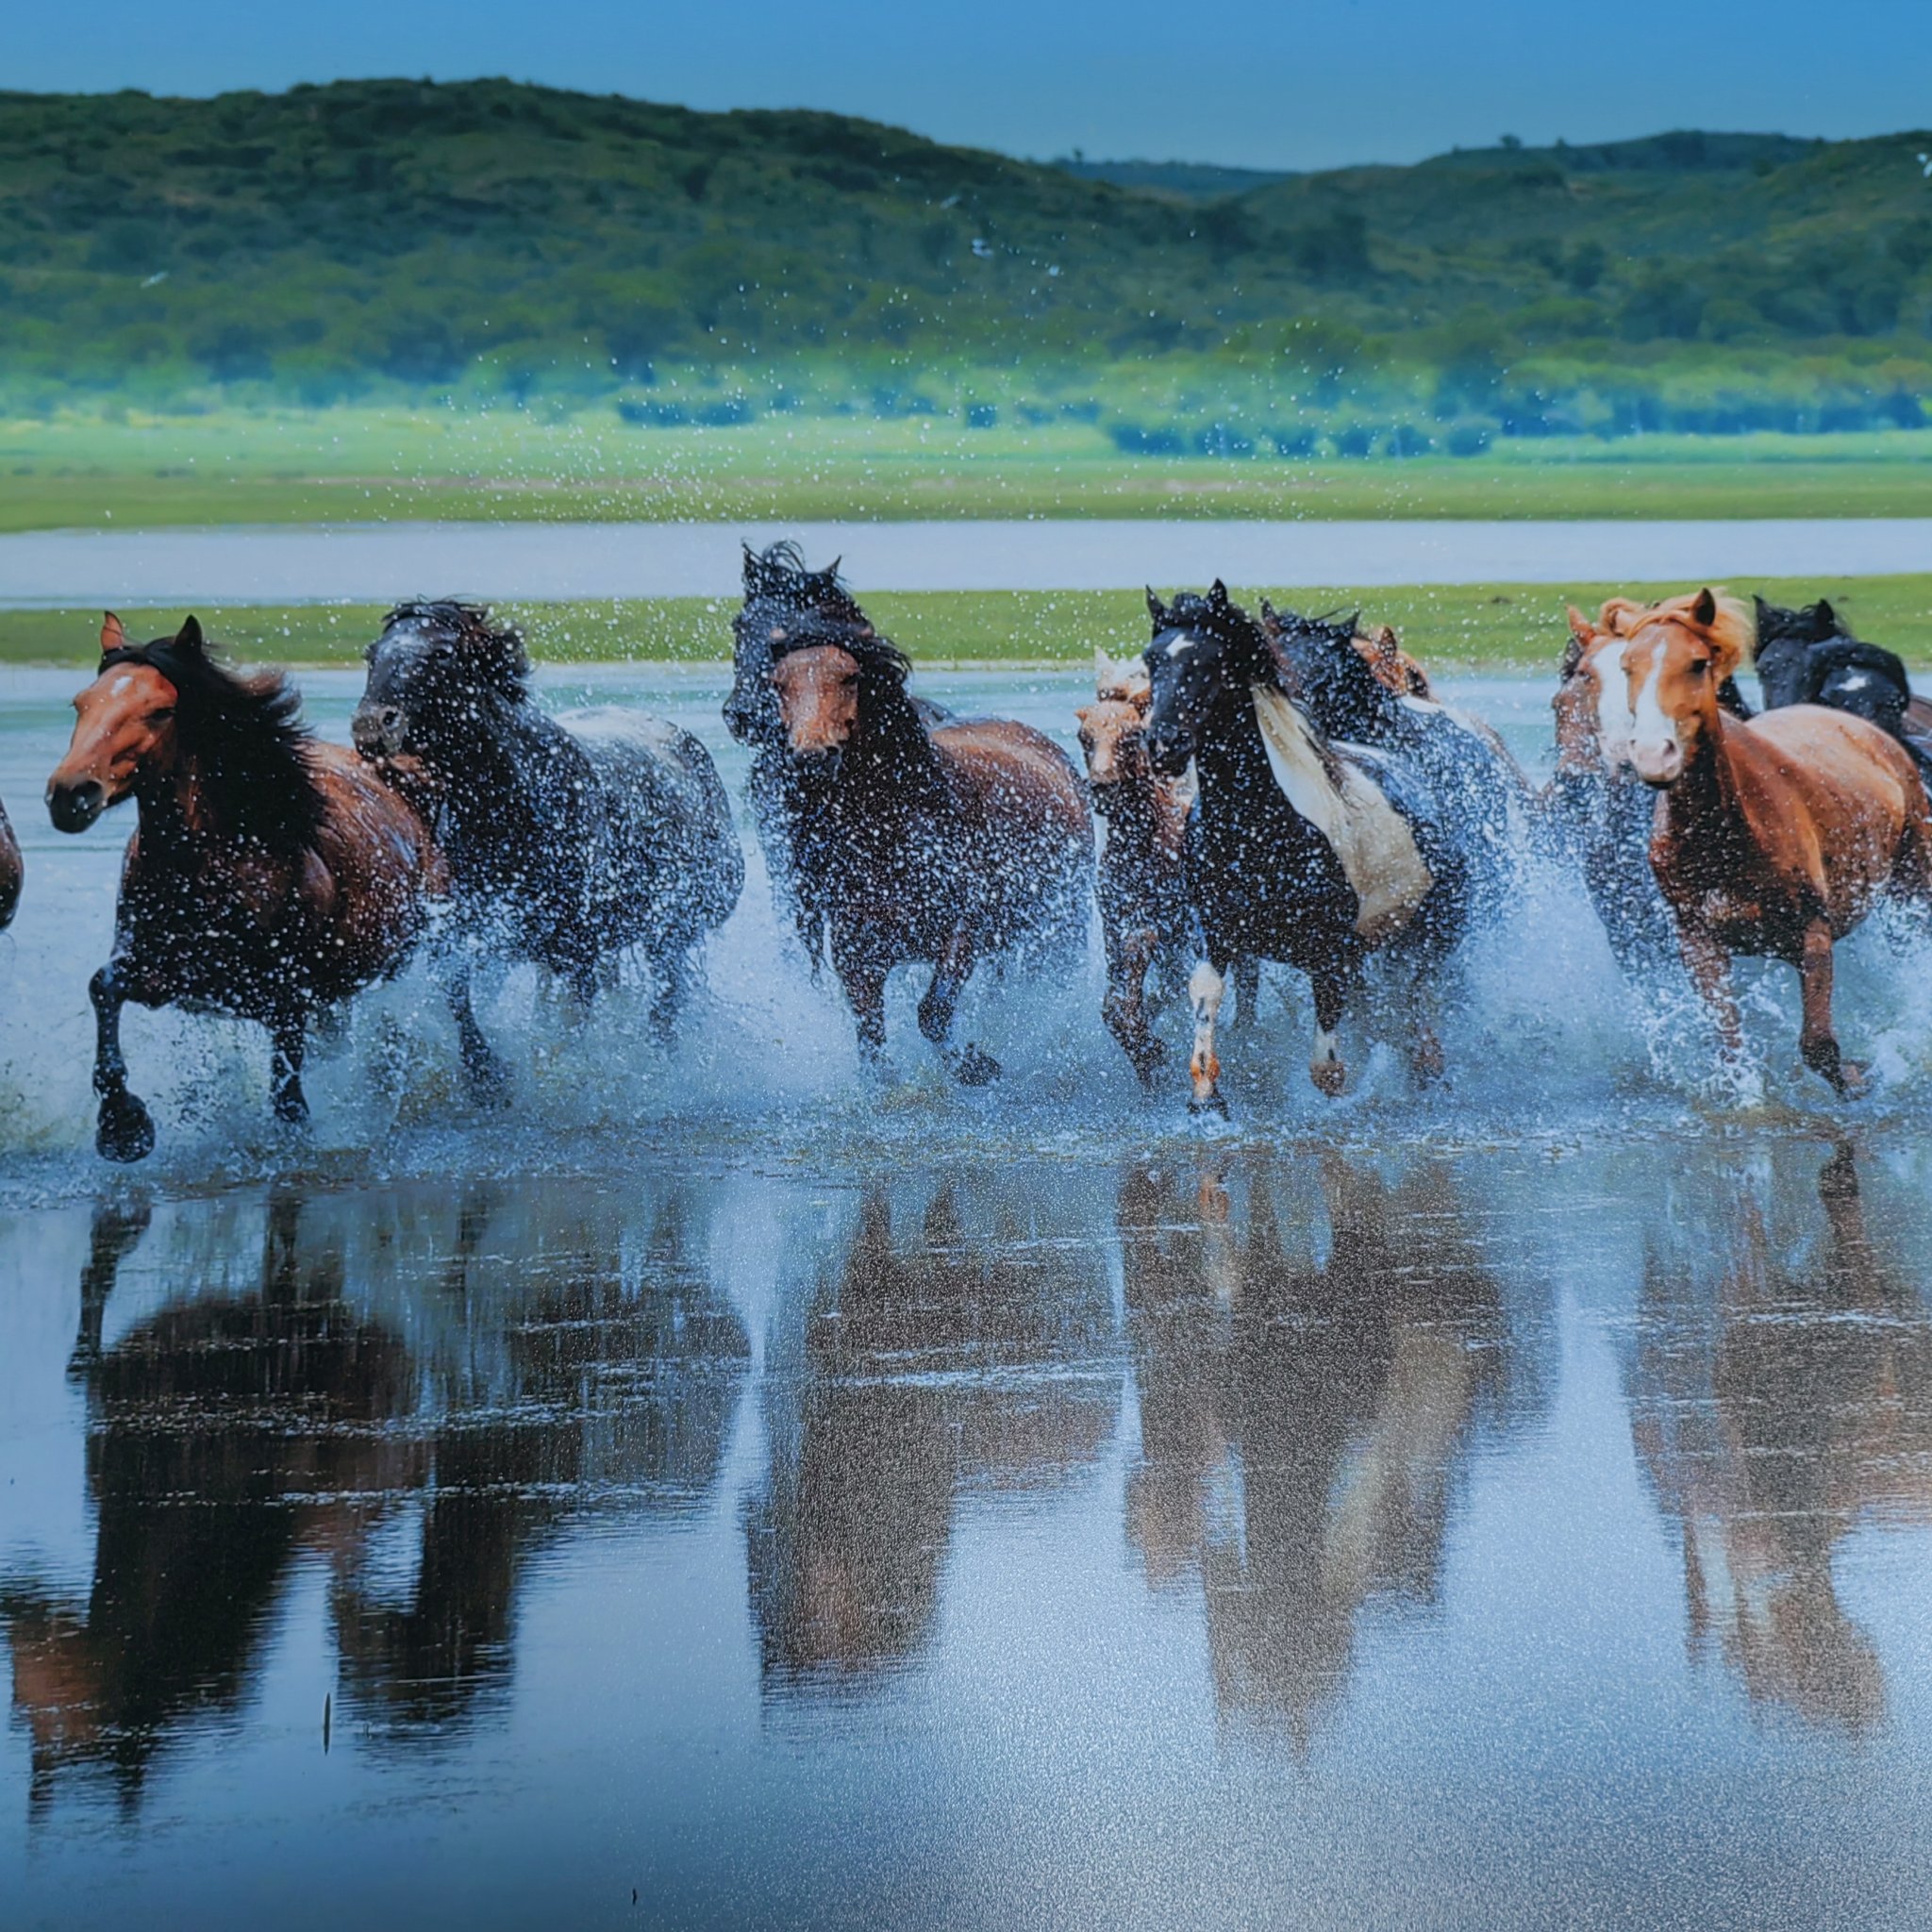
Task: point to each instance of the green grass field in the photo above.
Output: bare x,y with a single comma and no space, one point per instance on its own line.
1452,629
128,470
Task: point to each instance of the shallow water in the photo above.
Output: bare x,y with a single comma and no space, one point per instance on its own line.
366,561
733,1485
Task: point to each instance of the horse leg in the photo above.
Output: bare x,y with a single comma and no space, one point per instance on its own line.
125,1129
1326,1068
862,976
1425,1043
971,1068
1817,1042
481,1068
289,1038
1124,1007
1709,967
1247,992
1205,986
676,979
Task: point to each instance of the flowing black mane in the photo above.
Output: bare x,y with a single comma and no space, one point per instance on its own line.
1333,685
492,654
1811,623
778,574
243,734
878,659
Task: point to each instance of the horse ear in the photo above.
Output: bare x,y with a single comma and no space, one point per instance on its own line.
1825,613
1704,611
752,571
1217,595
1157,610
188,636
113,633
1581,630
1104,673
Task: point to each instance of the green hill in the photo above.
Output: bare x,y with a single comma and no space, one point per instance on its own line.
488,239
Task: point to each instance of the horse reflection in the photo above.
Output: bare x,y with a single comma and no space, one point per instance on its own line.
954,1349
1304,1422
208,1422
478,1373
1774,1415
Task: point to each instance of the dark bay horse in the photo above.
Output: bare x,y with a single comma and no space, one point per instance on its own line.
1808,656
569,839
1776,835
269,877
780,592
1300,848
13,870
945,843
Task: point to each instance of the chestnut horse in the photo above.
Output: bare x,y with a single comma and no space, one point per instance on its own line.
269,877
944,842
1774,835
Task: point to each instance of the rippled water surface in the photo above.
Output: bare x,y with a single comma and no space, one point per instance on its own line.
727,1492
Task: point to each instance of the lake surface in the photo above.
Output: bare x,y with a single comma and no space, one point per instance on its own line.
376,562
727,1492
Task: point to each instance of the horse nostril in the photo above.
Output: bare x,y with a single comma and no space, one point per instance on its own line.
75,807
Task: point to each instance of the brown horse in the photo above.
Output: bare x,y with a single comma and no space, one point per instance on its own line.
921,842
1774,835
269,877
12,870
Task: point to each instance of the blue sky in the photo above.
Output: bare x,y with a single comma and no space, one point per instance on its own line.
1280,83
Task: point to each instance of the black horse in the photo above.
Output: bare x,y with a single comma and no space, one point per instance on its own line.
569,839
1809,657
1303,849
782,597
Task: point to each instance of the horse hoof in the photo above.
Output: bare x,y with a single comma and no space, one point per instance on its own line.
1329,1077
1854,1082
1213,1104
1425,1063
291,1109
976,1069
126,1131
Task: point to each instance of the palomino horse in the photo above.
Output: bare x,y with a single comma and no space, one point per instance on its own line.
1808,656
570,838
1300,849
779,593
269,877
944,843
1775,836
1146,919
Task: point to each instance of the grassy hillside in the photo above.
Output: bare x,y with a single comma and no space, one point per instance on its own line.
491,241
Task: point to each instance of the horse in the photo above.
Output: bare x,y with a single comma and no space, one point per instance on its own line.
1380,649
945,843
1808,656
270,877
779,591
1146,919
1300,849
1774,835
570,838
13,870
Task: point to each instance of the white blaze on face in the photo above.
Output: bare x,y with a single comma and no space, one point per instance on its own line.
1616,724
1180,646
1655,749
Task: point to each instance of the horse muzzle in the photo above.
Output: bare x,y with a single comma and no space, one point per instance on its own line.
1657,765
74,806
379,731
821,766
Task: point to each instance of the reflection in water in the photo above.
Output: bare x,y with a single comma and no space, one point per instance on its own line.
1302,1420
543,1364
1776,1412
961,1343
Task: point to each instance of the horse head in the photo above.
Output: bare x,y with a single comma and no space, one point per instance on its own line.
825,679
435,666
1662,677
1206,654
124,726
1113,728
1578,701
1782,651
1327,668
780,593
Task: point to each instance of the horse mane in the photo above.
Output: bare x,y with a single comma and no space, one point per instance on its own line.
493,650
779,571
1809,624
244,733
1730,630
1327,678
